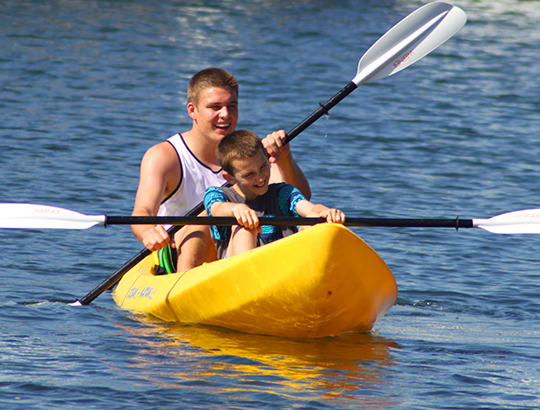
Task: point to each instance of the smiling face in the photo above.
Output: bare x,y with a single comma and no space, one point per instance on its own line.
216,114
251,175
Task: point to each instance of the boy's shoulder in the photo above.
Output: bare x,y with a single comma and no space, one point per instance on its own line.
280,185
225,193
285,191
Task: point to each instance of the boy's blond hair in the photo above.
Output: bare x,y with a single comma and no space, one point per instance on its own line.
210,78
239,144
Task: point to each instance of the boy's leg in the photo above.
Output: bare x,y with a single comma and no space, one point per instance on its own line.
242,240
195,247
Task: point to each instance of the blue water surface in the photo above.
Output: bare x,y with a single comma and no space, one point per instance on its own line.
86,87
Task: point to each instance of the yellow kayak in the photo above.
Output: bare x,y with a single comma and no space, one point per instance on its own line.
320,282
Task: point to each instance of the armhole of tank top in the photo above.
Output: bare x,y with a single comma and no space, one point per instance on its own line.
197,159
181,175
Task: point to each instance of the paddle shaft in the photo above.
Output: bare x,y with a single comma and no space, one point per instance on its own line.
180,221
322,110
115,277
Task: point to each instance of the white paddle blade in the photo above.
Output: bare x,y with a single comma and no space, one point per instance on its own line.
412,38
31,216
526,221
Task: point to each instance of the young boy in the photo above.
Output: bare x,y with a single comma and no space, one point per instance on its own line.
246,167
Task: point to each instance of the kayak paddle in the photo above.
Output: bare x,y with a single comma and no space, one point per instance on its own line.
31,216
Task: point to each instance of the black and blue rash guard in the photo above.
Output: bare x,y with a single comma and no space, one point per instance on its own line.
279,200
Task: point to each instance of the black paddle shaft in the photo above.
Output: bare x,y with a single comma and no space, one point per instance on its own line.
179,221
115,278
322,110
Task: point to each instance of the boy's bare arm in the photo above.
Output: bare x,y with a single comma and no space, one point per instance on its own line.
309,210
245,216
284,167
160,171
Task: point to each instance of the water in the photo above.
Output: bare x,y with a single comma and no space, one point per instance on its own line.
88,86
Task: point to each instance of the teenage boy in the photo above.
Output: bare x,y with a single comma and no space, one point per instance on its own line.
175,173
245,165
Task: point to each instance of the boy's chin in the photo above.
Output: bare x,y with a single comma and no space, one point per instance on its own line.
262,190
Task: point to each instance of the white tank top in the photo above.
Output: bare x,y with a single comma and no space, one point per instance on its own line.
196,177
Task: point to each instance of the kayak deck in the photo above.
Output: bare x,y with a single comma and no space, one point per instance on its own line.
320,282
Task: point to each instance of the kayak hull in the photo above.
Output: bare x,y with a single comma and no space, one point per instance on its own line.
320,282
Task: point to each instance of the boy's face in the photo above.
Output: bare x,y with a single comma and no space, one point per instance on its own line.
250,175
216,114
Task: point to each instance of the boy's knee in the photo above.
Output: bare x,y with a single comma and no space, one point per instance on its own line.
241,230
195,247
192,233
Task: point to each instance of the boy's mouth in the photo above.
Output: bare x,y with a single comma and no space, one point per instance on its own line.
258,186
223,126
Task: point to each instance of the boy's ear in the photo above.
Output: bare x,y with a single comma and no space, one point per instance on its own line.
229,178
191,110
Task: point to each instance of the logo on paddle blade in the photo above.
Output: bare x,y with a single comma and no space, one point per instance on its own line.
46,211
408,55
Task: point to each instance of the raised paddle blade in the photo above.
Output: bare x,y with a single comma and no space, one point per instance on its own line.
31,216
408,41
525,221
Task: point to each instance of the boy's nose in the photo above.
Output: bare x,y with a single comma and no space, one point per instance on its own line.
224,112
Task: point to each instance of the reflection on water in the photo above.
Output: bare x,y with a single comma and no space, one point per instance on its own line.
340,368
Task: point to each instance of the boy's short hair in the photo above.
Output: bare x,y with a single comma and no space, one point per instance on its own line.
239,144
209,78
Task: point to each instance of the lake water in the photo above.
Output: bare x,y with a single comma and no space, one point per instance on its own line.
88,86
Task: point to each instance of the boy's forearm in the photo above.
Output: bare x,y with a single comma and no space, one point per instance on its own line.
222,209
244,215
318,208
139,230
308,209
